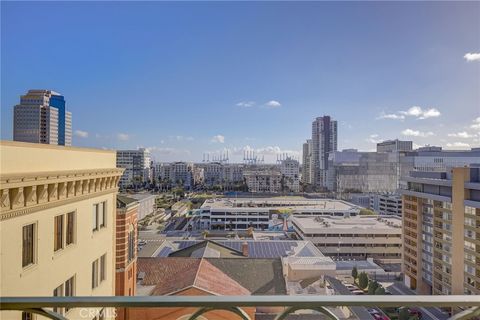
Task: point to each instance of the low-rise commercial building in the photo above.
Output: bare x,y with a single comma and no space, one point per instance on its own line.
146,203
57,222
243,213
359,237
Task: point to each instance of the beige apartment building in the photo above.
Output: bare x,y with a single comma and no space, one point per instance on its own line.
441,221
57,223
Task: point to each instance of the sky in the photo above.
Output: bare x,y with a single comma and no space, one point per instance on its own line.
189,78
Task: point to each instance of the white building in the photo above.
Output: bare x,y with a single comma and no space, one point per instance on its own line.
324,141
146,203
137,167
172,174
359,237
41,118
290,170
269,180
259,213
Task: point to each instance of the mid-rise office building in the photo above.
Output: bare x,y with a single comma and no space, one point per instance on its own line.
57,222
441,228
358,237
324,141
136,164
394,146
41,117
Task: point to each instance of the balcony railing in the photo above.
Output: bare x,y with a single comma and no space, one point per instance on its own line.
234,304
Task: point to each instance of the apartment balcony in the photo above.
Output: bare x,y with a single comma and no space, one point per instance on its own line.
235,305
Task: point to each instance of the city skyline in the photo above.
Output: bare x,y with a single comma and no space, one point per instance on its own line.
201,88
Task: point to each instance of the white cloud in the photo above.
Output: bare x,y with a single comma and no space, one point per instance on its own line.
458,145
416,133
374,138
181,138
472,56
123,136
273,104
218,138
392,116
420,113
463,134
81,134
246,104
476,124
415,112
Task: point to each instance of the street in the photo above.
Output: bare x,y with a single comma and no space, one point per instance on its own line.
430,313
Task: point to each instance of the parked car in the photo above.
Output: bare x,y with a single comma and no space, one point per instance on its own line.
415,312
358,292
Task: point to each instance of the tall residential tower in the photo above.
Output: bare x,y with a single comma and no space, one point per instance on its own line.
41,118
324,141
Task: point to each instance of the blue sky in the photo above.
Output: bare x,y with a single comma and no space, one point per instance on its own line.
187,78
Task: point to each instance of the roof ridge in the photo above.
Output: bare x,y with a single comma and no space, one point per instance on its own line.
198,271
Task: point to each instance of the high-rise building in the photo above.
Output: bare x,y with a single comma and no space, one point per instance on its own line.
57,222
324,141
137,167
41,117
441,221
307,162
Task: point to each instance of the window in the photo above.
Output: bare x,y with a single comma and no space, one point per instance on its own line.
58,292
28,245
131,245
58,233
103,267
95,274
99,268
66,289
95,217
99,216
70,238
27,316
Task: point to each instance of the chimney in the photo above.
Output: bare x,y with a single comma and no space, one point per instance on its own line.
245,249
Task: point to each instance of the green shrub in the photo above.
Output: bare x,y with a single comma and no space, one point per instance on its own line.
363,280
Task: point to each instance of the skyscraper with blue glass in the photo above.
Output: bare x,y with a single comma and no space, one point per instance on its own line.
41,117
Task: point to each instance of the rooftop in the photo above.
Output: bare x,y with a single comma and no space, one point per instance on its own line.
233,248
224,276
280,203
351,225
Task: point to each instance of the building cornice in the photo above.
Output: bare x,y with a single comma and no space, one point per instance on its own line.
29,193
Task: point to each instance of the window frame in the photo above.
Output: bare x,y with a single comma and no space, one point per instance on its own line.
33,256
58,235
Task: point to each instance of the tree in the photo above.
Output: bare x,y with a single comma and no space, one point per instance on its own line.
355,273
372,287
363,280
403,314
380,291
